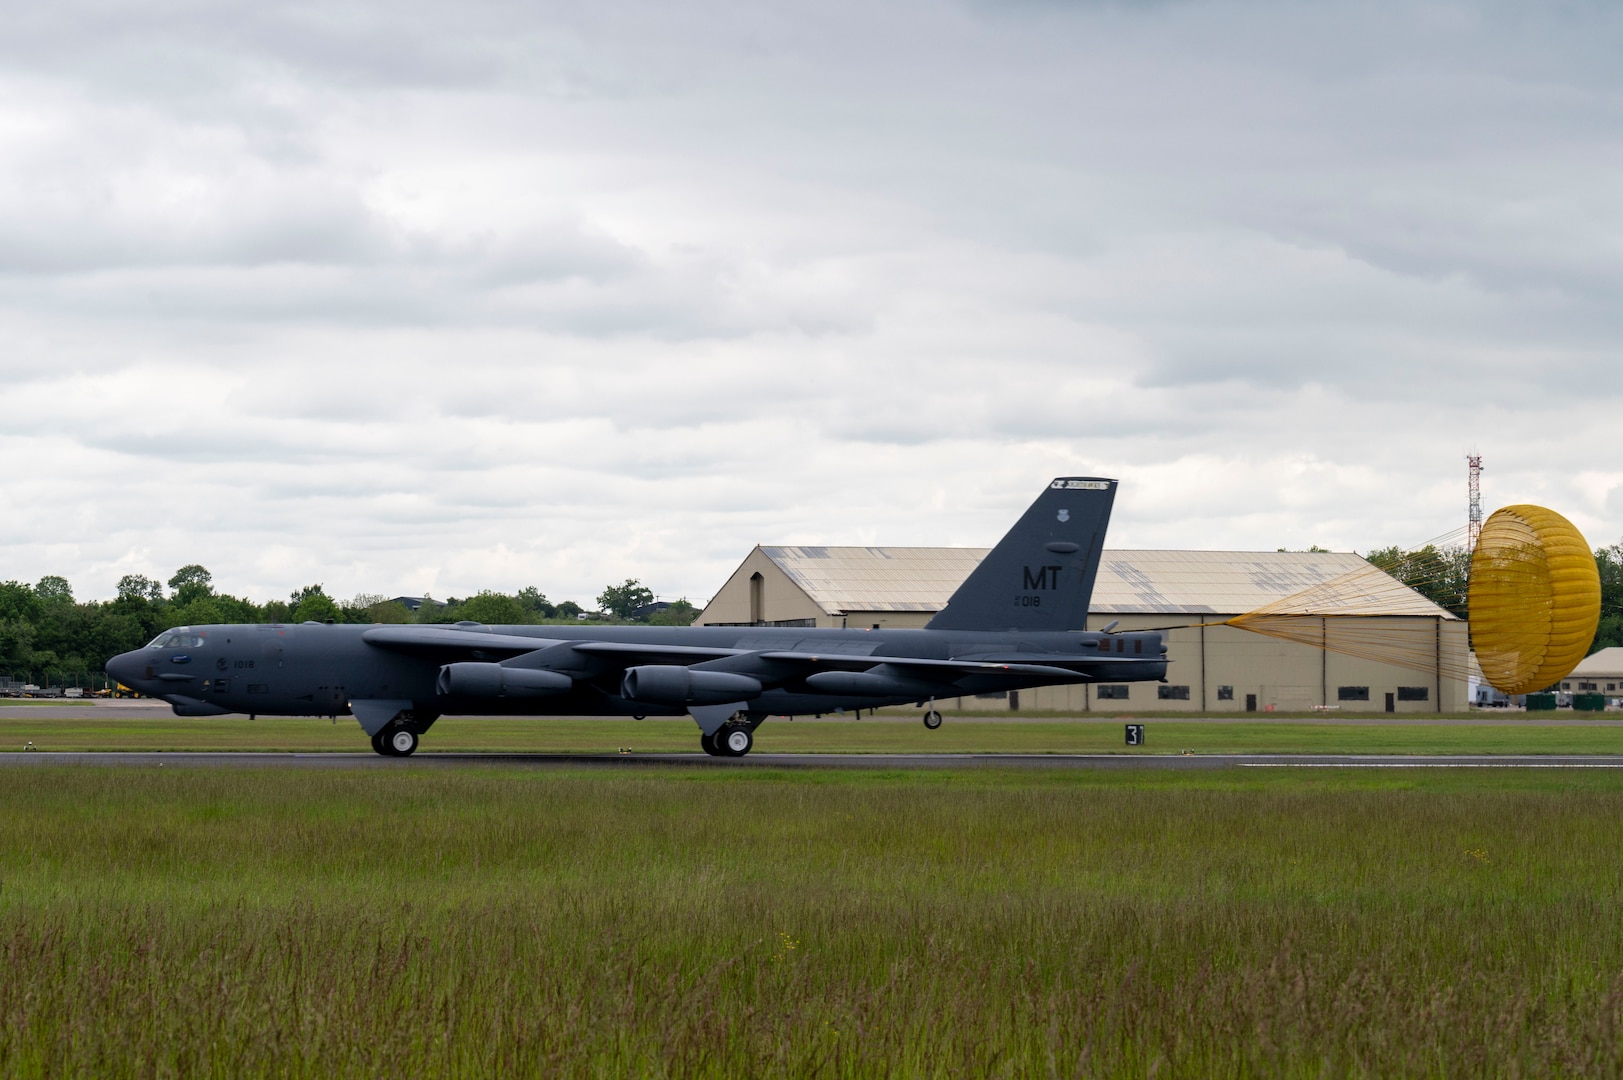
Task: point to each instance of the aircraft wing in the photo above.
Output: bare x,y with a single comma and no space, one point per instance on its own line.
444,643
632,651
447,644
915,665
882,675
784,662
1073,664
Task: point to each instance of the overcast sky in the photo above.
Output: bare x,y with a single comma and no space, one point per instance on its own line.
437,297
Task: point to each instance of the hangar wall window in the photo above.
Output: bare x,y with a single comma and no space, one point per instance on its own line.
1113,693
1172,693
1352,693
1414,693
793,622
1001,695
1225,693
1587,686
1566,686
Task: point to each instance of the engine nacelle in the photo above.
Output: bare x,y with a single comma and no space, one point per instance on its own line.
672,684
495,681
869,684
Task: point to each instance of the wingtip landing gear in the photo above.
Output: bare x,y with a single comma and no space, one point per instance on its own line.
932,719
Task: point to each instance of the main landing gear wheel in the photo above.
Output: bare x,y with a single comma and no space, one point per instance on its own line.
729,741
932,719
395,742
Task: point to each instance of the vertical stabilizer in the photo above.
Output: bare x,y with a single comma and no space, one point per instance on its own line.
1040,576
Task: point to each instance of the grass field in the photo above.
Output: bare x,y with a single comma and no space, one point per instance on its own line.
679,922
162,731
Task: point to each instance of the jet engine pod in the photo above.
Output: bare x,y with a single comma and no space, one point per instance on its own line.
672,684
495,681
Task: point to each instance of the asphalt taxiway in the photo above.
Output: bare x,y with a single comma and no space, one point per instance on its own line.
430,760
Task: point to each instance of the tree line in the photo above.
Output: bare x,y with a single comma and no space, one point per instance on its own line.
43,629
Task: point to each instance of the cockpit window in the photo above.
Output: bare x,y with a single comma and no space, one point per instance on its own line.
177,639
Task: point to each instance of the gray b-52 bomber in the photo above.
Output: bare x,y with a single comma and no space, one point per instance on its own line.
1011,625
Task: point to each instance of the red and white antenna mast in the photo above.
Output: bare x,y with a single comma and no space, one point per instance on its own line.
1473,520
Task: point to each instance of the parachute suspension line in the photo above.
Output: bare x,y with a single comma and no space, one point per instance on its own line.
1419,645
1370,612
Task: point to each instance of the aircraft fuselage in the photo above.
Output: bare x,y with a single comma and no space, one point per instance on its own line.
314,669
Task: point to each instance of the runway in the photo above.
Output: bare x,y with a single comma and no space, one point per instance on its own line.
429,760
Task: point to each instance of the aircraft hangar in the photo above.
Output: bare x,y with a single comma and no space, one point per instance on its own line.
1213,668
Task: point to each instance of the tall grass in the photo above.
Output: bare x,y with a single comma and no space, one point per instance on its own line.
159,923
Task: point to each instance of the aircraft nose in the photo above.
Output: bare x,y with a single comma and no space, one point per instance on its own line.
125,667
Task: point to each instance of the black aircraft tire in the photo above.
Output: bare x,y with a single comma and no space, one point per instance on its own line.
380,746
735,741
932,719
710,743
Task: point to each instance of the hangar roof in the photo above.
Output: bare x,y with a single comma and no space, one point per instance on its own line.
840,579
844,579
1606,663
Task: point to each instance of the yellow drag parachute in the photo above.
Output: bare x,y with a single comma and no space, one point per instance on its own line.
1534,598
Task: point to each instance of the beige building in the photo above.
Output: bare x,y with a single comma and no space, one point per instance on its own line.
1598,673
1213,668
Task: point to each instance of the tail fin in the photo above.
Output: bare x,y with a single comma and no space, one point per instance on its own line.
1040,576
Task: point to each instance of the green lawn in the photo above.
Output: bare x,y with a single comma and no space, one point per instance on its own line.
695,922
160,731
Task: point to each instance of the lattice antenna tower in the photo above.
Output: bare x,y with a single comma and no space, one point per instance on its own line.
1473,518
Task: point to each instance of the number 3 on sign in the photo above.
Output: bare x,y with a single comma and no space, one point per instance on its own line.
1135,734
